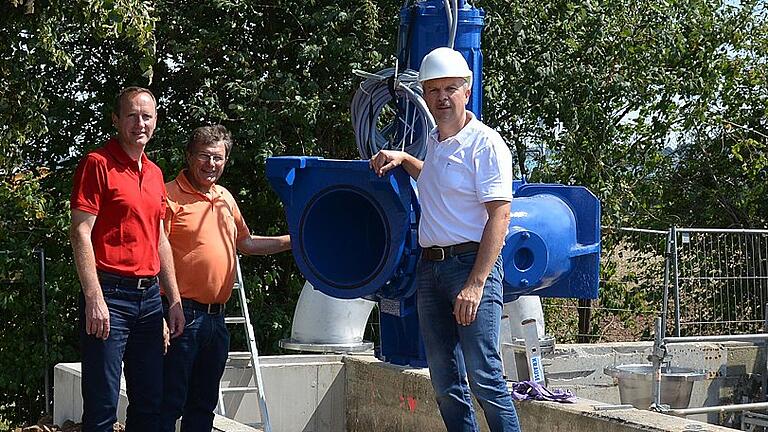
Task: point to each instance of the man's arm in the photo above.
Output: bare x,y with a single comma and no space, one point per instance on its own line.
168,281
259,245
96,311
468,300
385,160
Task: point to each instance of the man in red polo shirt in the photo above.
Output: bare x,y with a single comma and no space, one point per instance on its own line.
121,253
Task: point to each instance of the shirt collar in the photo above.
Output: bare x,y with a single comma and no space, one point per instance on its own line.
187,187
462,135
116,151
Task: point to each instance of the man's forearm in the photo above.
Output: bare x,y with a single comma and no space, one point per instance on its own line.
85,262
491,243
412,166
261,245
167,270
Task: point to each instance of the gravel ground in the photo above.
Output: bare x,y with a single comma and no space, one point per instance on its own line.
46,425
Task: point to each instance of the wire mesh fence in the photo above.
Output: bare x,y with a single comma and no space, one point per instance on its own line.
701,281
720,281
631,292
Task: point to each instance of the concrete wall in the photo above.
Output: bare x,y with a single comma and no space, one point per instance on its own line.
362,394
304,394
382,397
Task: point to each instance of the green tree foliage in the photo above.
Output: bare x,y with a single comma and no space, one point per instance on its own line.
658,107
608,89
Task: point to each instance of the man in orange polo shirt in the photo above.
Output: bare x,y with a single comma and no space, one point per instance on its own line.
205,230
120,249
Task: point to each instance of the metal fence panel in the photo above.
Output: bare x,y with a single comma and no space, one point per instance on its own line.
721,281
631,291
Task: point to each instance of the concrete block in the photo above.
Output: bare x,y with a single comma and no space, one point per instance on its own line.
68,396
67,403
383,397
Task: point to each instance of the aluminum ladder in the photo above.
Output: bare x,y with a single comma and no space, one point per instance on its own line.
252,354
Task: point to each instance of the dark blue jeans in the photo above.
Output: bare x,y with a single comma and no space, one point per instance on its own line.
136,340
193,368
455,352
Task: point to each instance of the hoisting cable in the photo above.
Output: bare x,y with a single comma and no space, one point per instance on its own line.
411,124
452,10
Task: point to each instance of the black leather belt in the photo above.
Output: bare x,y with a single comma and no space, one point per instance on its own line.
437,253
211,309
139,283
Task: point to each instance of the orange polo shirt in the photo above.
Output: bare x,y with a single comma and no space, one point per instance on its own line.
203,232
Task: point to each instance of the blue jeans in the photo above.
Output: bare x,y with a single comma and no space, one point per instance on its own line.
193,368
454,350
135,339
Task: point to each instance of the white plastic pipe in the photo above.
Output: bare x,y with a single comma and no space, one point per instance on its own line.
322,319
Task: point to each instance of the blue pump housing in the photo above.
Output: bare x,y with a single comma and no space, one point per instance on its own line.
354,235
552,248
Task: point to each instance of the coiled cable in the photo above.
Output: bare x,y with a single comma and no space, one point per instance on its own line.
409,129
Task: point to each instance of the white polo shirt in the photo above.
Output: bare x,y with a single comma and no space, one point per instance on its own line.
459,175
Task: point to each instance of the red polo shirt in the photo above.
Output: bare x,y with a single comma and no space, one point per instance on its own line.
129,205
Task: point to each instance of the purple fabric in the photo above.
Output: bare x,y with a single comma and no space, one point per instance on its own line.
531,390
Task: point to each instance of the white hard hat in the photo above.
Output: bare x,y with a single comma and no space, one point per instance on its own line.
444,62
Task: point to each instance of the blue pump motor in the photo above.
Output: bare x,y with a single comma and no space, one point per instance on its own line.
424,27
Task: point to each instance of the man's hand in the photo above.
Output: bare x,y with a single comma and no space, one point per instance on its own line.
385,160
466,304
166,337
97,317
176,319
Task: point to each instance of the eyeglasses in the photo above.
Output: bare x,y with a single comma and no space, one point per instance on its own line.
205,157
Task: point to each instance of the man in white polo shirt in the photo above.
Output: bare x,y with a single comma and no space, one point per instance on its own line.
465,190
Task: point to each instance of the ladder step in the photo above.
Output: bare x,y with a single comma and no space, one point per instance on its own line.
239,390
251,356
239,355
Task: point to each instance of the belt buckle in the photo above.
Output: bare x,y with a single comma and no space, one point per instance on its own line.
442,254
218,309
139,281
